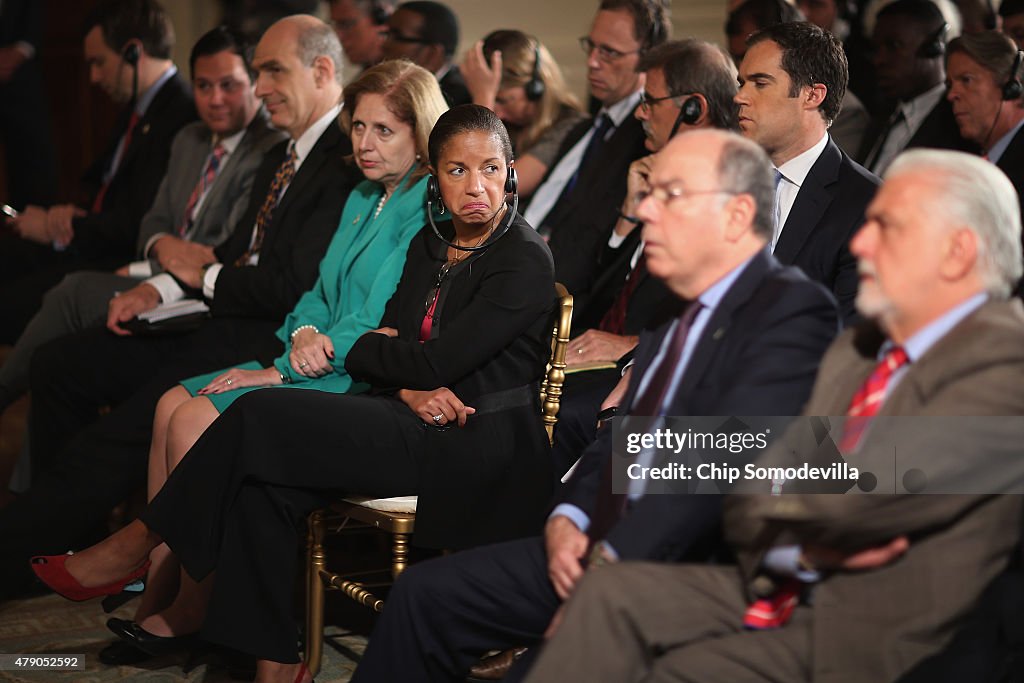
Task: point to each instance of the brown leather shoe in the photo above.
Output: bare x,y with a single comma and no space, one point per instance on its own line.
495,667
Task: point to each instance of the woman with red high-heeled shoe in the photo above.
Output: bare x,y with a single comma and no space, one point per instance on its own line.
466,335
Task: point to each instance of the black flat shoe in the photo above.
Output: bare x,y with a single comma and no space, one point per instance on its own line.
120,653
133,634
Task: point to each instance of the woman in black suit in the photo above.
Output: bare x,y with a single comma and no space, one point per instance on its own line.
452,416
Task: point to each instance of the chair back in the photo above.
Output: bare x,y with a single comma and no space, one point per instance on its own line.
551,387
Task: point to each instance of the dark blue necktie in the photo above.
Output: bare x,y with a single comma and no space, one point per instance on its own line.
602,125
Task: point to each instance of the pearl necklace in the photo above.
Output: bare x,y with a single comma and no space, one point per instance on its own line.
380,205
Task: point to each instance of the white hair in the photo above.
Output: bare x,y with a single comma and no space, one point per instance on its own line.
977,195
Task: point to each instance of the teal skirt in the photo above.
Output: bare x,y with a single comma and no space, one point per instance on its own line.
333,383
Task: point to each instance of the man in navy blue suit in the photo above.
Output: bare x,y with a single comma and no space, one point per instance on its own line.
792,81
748,343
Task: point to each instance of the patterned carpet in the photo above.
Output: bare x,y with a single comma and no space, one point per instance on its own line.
50,625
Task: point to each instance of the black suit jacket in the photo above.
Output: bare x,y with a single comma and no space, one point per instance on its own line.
758,355
938,131
490,480
581,223
296,239
1012,164
650,304
108,238
827,212
453,87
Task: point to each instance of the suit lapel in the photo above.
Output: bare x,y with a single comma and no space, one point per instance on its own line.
812,201
719,323
142,128
306,174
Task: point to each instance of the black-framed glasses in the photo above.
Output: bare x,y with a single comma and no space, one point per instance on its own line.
392,34
439,279
646,101
664,195
604,53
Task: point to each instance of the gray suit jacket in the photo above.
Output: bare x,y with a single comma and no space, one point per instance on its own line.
877,625
227,199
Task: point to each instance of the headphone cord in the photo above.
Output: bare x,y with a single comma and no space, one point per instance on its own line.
508,224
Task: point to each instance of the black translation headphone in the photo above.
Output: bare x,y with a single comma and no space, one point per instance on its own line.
434,198
1013,88
935,46
689,113
130,54
535,86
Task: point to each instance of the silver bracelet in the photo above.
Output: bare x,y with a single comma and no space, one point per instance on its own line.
285,379
300,328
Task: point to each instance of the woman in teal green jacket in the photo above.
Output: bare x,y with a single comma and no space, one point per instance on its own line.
388,112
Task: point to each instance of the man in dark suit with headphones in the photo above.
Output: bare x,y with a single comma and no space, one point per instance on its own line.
689,84
128,46
576,204
909,44
984,71
792,80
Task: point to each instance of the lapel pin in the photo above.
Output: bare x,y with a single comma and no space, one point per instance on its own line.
145,129
719,333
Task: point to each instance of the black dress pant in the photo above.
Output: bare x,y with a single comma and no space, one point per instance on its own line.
27,271
84,464
237,502
443,614
582,396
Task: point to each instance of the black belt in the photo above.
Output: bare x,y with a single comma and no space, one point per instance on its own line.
516,397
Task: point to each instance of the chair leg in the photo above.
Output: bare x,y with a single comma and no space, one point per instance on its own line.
315,562
399,554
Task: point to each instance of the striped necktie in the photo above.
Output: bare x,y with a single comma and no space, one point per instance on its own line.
283,177
202,187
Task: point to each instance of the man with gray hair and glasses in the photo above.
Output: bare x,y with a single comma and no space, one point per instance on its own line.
857,588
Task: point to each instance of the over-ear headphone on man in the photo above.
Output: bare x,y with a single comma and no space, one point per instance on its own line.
689,113
1013,88
935,46
434,198
130,54
535,86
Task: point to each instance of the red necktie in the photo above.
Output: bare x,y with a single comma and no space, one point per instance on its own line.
869,398
614,319
205,182
97,202
283,177
774,611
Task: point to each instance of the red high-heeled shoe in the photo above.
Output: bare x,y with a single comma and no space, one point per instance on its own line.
51,571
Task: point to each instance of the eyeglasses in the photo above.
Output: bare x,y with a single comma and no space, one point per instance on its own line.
664,195
646,101
392,34
439,279
604,53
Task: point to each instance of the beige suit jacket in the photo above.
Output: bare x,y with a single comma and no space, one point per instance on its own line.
876,625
